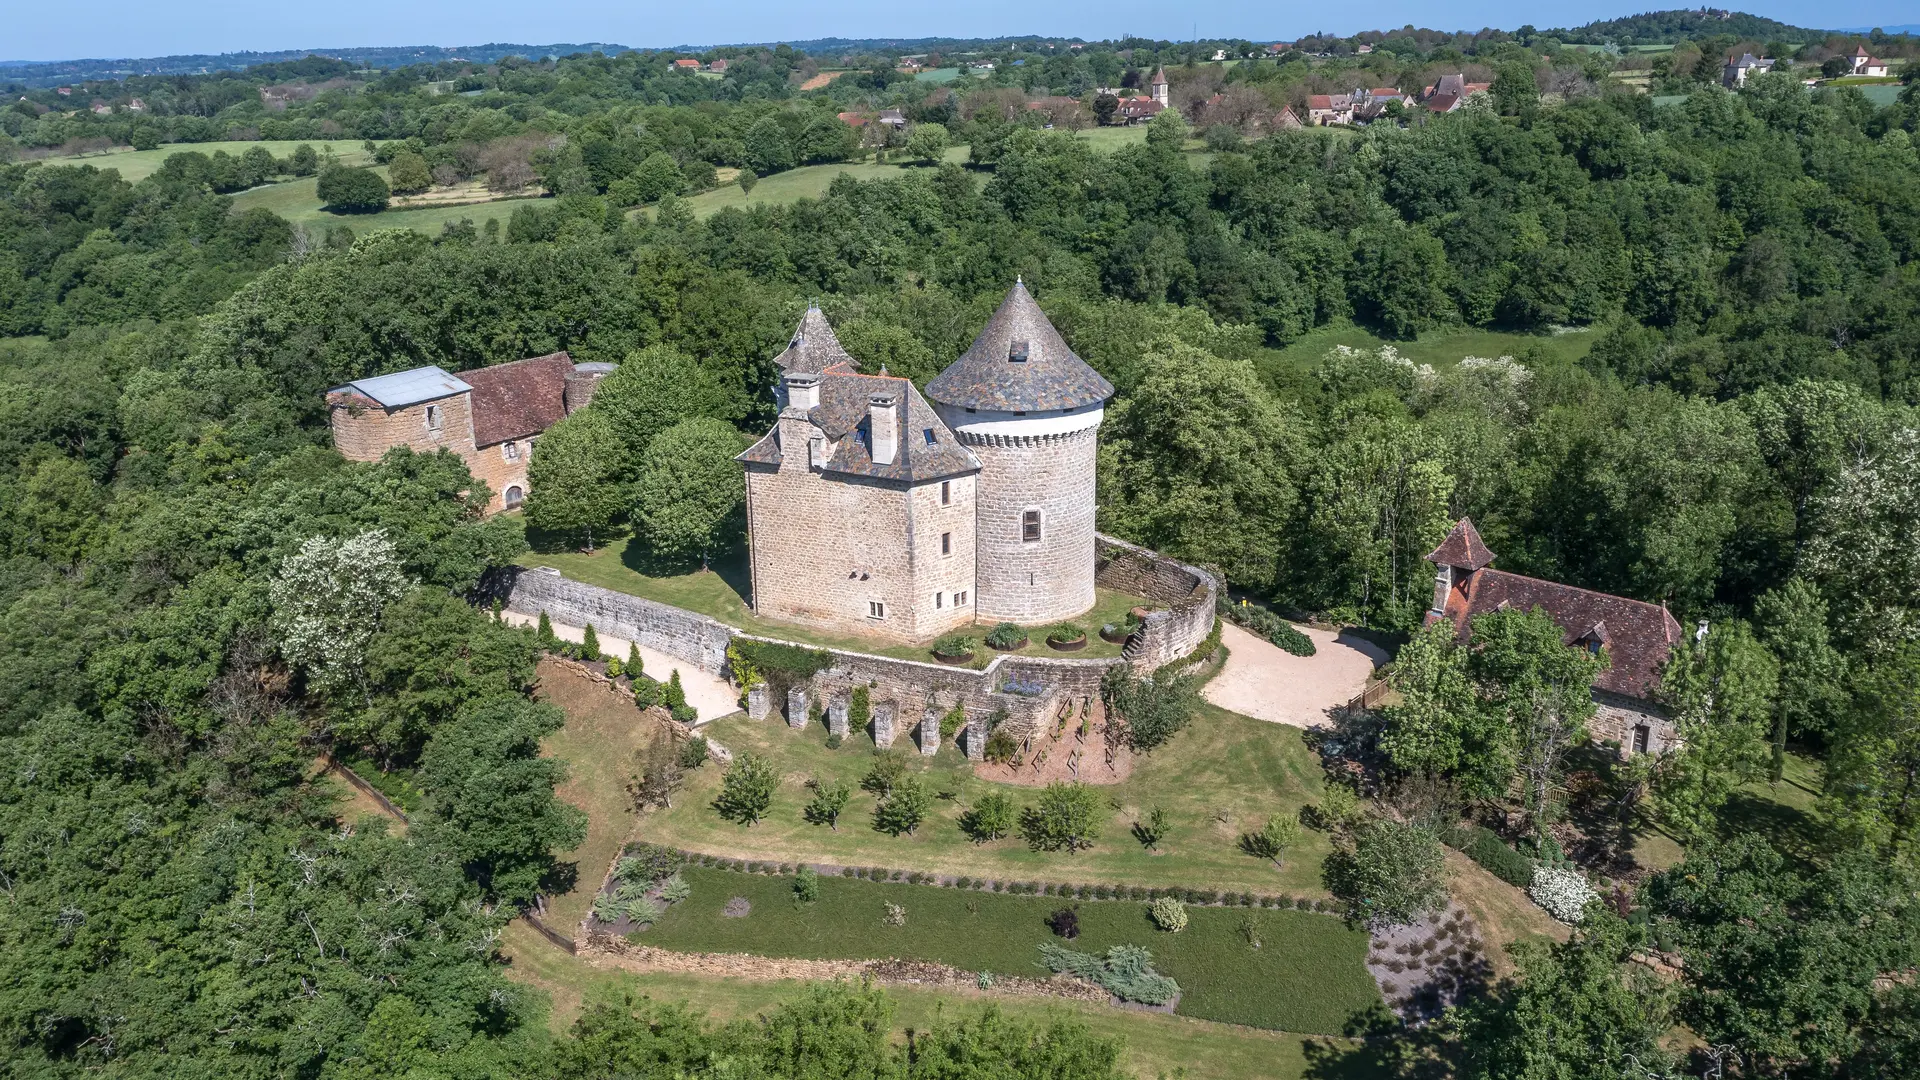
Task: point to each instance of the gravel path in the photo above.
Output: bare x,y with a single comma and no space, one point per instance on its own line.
710,695
1265,682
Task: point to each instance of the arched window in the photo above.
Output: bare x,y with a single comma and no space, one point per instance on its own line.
514,495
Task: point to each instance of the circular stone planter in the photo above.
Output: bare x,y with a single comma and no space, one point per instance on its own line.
1067,646
1015,647
956,660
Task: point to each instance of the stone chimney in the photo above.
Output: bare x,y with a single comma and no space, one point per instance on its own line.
883,425
581,383
803,390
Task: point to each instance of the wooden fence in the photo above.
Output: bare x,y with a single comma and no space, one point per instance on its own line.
532,916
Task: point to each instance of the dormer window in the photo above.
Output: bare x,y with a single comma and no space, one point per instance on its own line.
1017,352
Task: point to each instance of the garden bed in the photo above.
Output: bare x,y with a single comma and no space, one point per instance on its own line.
1307,975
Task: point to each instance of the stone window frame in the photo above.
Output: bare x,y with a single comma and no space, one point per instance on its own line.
436,420
513,496
510,451
1033,523
946,543
946,493
877,609
938,600
960,599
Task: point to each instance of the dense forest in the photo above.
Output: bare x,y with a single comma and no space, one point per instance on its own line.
200,596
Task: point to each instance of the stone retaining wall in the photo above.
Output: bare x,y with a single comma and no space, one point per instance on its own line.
1187,591
1025,687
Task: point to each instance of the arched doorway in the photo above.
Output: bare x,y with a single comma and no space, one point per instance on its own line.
514,495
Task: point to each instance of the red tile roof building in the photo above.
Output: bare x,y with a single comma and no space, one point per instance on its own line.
1636,636
488,417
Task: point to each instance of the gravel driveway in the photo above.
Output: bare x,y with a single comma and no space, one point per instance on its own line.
1265,682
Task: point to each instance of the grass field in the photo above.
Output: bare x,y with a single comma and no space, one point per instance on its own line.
602,731
721,593
1156,1044
1440,348
137,165
297,201
1220,778
806,182
1782,812
1306,976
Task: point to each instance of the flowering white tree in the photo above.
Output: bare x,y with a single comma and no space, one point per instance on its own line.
327,601
1564,894
1866,545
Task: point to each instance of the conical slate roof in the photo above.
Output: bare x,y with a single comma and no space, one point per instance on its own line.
1019,363
1463,548
814,348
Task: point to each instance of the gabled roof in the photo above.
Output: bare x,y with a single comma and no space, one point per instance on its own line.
1462,547
522,398
403,388
1019,363
1637,635
928,449
813,347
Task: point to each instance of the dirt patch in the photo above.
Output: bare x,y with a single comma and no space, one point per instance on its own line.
1075,744
737,908
603,950
822,79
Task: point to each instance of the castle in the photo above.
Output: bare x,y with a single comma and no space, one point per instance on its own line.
874,509
489,417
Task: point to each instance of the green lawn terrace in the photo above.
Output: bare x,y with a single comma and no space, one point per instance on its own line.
722,593
1264,967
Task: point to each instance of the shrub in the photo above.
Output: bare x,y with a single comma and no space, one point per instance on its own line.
647,864
646,692
348,190
1006,636
1067,633
903,808
1168,914
1001,747
806,885
1273,839
675,889
953,721
1270,626
990,818
1126,972
883,774
1485,847
955,645
590,647
1154,708
833,740
746,789
634,666
614,667
643,911
859,709
963,882
895,915
1564,894
1065,923
1068,817
693,752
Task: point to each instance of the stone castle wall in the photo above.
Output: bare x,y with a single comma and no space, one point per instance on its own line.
681,634
1616,715
1035,581
1188,592
366,433
825,547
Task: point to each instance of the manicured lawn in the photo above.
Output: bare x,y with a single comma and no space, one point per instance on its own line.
597,743
721,593
1782,812
1440,348
137,165
1221,777
1306,976
1155,1044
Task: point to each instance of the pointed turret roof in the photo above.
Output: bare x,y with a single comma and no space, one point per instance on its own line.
1463,548
1019,363
1159,77
813,349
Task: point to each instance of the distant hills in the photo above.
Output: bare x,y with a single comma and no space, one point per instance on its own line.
36,74
1667,27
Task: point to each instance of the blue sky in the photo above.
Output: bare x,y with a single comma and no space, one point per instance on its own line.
114,28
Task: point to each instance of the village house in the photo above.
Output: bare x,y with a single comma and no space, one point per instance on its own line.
686,65
488,417
1867,65
1450,92
718,67
1636,636
1735,73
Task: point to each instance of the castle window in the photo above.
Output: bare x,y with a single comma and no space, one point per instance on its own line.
1017,352
959,599
876,609
1640,738
510,450
513,496
936,599
946,543
433,418
1030,526
946,492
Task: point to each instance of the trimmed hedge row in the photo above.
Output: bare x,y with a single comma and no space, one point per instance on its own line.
1269,626
1485,847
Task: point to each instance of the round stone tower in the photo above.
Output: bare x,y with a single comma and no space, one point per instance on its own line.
1030,411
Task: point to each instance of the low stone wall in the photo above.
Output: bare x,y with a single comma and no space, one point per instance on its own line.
1026,687
1187,591
681,634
